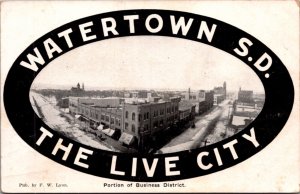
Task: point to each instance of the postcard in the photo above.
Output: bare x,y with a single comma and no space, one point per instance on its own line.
149,96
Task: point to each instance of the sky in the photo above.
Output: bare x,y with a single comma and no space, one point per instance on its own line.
148,62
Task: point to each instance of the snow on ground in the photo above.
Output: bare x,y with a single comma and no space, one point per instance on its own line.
34,106
87,139
53,118
200,132
221,131
52,115
239,120
177,148
193,137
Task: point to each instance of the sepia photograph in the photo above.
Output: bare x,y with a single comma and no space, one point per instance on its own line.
149,96
172,97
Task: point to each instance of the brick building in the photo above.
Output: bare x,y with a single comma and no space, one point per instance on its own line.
245,96
134,122
201,99
246,108
77,91
220,94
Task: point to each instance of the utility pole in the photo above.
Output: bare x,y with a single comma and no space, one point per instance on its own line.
205,142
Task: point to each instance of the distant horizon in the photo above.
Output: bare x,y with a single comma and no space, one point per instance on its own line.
68,87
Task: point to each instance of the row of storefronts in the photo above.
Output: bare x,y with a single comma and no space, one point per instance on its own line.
132,122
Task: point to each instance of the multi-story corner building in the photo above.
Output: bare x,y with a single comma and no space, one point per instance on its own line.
134,122
202,100
207,100
218,98
73,105
76,104
186,111
146,120
220,94
245,109
245,96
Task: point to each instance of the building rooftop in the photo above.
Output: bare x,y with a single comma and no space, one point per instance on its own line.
106,107
184,105
87,103
246,114
218,94
246,92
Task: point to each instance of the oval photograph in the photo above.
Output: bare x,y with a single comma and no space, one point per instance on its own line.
122,95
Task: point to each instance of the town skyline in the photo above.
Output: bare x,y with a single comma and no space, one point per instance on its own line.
93,88
150,121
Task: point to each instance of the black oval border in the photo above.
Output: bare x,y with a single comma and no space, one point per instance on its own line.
279,93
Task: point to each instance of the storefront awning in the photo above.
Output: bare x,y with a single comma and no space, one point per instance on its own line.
80,117
100,127
93,120
126,138
84,118
108,131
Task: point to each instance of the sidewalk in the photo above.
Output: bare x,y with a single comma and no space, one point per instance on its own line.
109,141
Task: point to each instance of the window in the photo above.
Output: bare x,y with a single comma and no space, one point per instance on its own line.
126,126
140,117
102,116
126,114
155,124
118,122
133,116
133,128
97,116
161,111
161,122
155,113
147,115
146,127
112,121
107,118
